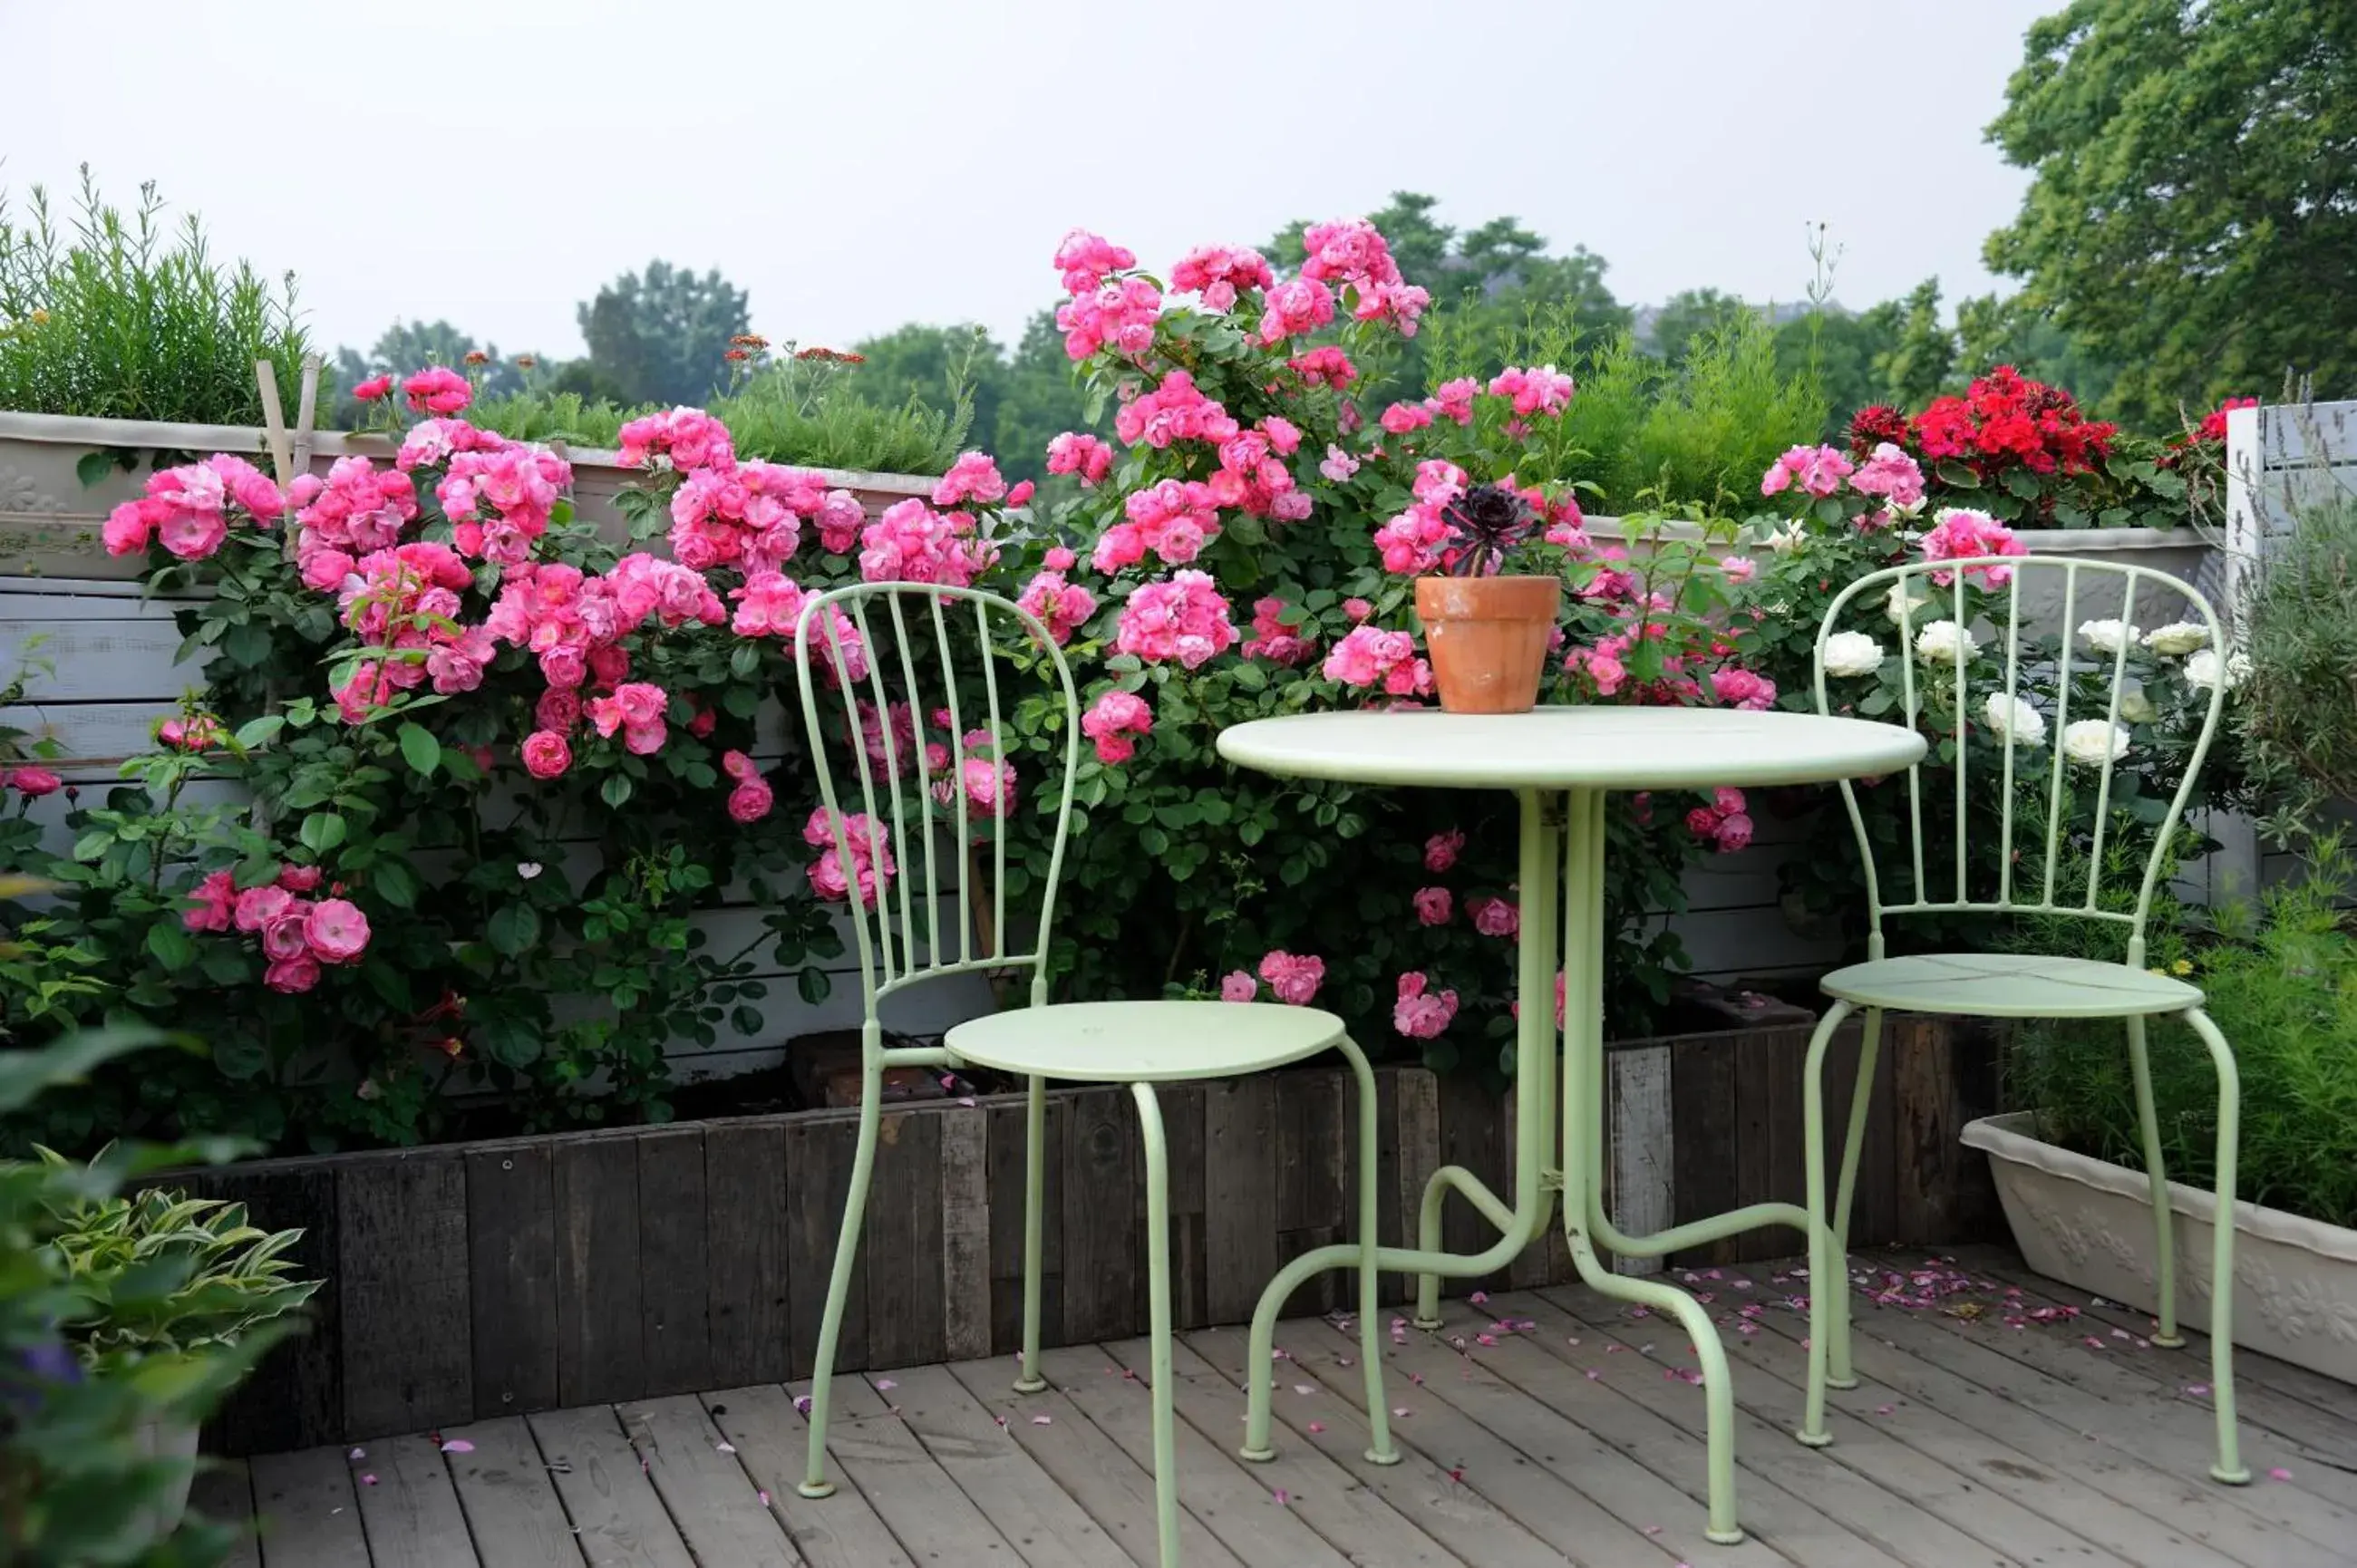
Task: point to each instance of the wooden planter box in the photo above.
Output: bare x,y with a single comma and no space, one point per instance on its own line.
49,521
496,1278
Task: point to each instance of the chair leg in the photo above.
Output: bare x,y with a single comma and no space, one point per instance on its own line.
2164,1239
1035,1181
1157,1297
1861,1101
1371,1348
838,1285
2229,1468
1827,1275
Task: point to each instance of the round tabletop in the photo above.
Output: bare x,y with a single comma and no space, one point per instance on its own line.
1572,748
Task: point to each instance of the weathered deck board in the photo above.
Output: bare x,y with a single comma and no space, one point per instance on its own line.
933,1520
411,1512
1213,1485
1934,1402
1352,1520
1046,1527
308,1518
1892,1522
1117,1491
617,1518
772,1441
512,1509
710,1497
1415,1486
1574,1442
1556,1375
223,1493
2262,1383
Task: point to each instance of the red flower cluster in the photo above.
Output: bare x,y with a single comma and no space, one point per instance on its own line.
2005,420
2211,432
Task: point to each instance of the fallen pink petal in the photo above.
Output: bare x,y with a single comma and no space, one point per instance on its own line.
2279,1474
458,1445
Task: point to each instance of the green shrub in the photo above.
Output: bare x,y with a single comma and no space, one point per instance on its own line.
76,1488
2297,722
121,320
807,411
2282,987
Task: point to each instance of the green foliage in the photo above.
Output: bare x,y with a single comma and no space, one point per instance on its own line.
2297,722
937,368
159,1272
814,412
119,319
1685,316
663,336
2283,990
106,1329
1701,432
2193,205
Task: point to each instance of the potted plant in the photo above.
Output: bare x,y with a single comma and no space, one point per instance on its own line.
2070,1163
160,1277
1486,632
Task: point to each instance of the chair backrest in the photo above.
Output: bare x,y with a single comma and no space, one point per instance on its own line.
869,706
2024,700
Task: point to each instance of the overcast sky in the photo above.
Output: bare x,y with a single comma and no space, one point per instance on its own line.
861,163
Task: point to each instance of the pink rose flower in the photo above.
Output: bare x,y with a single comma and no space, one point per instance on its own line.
1742,689
1495,916
1963,535
260,907
282,939
437,390
375,387
1238,986
1420,1012
1440,850
298,879
33,782
750,800
1434,906
292,975
1295,978
1110,722
546,755
210,903
336,930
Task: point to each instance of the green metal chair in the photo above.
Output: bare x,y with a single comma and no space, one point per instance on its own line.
2039,873
916,808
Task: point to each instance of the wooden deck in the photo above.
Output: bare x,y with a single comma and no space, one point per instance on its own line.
1543,1428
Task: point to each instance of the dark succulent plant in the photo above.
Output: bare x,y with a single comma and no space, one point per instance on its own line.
1492,522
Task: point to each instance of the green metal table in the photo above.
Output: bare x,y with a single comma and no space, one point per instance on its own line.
1560,763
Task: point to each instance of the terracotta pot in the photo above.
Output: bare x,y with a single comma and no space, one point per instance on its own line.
1488,638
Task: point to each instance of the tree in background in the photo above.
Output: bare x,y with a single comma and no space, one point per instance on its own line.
407,346
1042,401
935,365
1921,356
1685,316
662,337
2193,212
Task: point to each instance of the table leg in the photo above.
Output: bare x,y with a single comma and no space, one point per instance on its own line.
1585,935
1534,1049
1535,1138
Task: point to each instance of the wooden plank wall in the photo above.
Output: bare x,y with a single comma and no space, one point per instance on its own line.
497,1278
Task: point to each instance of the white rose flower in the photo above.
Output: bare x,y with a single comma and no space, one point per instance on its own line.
2134,706
2202,669
2177,636
1851,653
2091,741
2014,717
1901,605
2107,636
1945,642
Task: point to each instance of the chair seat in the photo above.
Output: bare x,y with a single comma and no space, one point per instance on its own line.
1144,1042
2010,985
